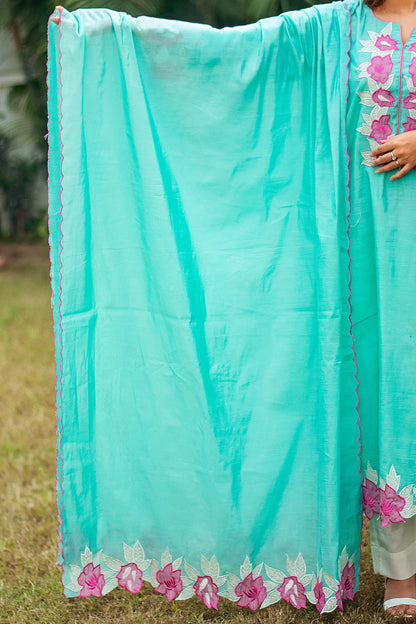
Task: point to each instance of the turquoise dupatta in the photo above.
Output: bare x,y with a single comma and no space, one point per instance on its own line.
208,436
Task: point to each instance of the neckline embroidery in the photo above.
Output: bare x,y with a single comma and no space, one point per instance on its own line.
395,26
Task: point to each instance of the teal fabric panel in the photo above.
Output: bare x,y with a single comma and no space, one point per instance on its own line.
383,233
206,383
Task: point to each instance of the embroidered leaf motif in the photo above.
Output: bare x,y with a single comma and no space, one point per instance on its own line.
275,575
166,558
154,567
204,565
290,565
74,587
128,553
177,563
331,605
186,581
306,579
393,480
365,98
257,570
270,599
214,568
190,571
109,586
269,585
113,564
97,557
300,566
245,568
331,582
310,595
233,581
75,571
371,474
138,553
220,580
86,557
328,592
188,592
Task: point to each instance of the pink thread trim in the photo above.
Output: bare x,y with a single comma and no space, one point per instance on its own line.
400,89
59,424
350,289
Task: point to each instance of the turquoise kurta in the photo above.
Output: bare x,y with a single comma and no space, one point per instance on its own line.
382,103
205,222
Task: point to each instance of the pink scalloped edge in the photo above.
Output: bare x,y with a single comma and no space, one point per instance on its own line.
349,283
59,423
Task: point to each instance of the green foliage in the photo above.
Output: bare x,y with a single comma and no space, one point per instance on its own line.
17,177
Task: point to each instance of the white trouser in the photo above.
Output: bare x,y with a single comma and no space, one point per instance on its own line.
393,548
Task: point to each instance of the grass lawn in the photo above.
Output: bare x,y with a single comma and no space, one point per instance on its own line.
30,586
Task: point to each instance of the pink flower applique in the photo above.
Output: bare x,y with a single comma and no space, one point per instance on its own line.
252,592
391,506
293,591
412,70
380,68
410,124
346,585
382,97
318,590
385,42
413,47
380,128
170,582
410,100
130,577
371,498
207,590
91,580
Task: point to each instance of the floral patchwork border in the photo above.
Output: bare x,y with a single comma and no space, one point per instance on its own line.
99,574
379,97
384,498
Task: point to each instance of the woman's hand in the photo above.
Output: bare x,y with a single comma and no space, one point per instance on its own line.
58,17
403,147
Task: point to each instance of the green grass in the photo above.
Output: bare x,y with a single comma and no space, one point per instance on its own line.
30,585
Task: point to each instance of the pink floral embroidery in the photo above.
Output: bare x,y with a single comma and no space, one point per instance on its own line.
410,124
380,128
391,506
130,577
380,68
371,498
293,591
346,585
91,580
207,590
410,100
170,582
413,47
318,590
412,70
382,97
252,592
385,42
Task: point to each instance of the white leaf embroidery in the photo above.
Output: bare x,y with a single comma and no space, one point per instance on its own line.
128,553
190,571
113,564
166,558
86,557
245,568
